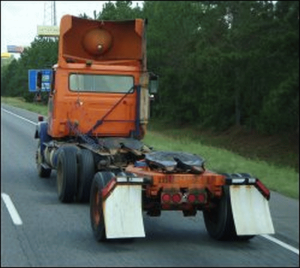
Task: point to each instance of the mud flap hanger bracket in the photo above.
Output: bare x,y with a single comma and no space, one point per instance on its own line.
139,180
123,181
250,181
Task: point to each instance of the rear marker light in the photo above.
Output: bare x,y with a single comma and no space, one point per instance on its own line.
201,198
166,198
191,198
263,189
176,198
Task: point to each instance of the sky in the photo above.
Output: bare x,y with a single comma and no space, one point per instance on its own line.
19,19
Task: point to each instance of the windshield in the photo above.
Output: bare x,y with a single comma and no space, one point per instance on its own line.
100,83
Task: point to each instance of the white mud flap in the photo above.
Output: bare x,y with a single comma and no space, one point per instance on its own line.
250,211
123,212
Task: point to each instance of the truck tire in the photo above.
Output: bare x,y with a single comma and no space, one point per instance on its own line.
67,173
86,172
219,220
42,172
96,204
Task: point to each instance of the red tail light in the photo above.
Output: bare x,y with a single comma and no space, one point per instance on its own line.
176,198
191,198
201,198
166,198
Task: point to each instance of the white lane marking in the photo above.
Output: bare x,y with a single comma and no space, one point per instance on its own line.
273,239
17,220
11,209
31,122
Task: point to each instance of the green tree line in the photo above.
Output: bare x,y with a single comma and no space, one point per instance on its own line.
220,63
42,54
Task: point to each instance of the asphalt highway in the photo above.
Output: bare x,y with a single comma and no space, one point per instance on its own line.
38,230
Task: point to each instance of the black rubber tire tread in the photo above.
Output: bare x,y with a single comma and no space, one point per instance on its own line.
86,172
219,221
100,180
42,172
67,173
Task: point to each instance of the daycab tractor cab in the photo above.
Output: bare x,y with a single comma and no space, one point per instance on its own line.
98,114
100,86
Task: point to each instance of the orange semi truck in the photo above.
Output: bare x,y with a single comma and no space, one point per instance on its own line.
98,114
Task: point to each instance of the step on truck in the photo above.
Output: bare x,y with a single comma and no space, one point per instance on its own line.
98,110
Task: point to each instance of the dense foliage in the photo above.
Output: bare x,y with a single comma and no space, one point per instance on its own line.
220,63
41,54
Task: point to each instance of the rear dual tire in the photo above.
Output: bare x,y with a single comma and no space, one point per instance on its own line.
101,179
75,171
67,172
86,172
219,221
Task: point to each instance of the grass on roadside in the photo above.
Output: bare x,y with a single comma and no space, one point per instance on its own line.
281,149
282,179
38,108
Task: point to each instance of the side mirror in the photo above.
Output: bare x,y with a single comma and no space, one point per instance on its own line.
153,84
